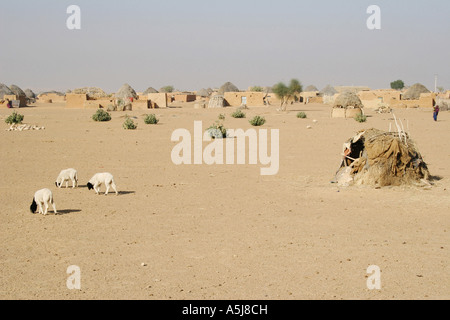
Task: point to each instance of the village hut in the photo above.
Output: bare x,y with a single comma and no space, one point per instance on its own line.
5,91
17,91
348,100
414,92
328,91
311,89
126,93
347,105
228,87
30,94
204,93
378,158
217,101
93,93
150,90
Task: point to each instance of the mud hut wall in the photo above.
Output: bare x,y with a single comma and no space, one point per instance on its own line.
234,99
141,104
11,97
158,100
76,101
185,97
53,97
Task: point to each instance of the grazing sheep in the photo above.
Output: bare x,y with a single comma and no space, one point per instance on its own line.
42,198
102,178
65,176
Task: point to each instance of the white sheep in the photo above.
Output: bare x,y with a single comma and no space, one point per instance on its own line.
43,198
102,178
65,176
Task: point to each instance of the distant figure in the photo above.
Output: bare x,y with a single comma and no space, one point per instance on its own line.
436,112
9,103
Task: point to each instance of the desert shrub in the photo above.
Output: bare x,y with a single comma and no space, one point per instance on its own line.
257,89
257,121
221,116
217,131
101,116
238,114
151,119
167,89
301,115
361,118
15,118
129,124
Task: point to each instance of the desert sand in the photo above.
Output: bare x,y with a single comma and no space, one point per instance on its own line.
217,232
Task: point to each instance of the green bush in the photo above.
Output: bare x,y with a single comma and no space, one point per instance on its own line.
301,115
257,121
238,114
167,89
151,119
221,117
361,118
101,116
397,85
15,118
129,124
257,89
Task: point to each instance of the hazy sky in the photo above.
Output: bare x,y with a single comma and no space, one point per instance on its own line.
204,43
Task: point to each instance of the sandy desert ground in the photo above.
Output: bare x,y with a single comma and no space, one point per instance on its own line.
217,232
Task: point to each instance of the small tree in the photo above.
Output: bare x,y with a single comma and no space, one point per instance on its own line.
284,92
256,89
441,89
397,85
167,89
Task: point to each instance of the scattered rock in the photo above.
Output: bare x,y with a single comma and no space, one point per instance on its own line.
24,127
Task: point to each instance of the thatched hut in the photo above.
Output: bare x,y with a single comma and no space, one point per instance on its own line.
377,158
150,90
228,87
348,100
58,93
17,91
92,92
5,91
347,105
217,101
204,92
126,93
328,91
30,94
311,89
414,92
